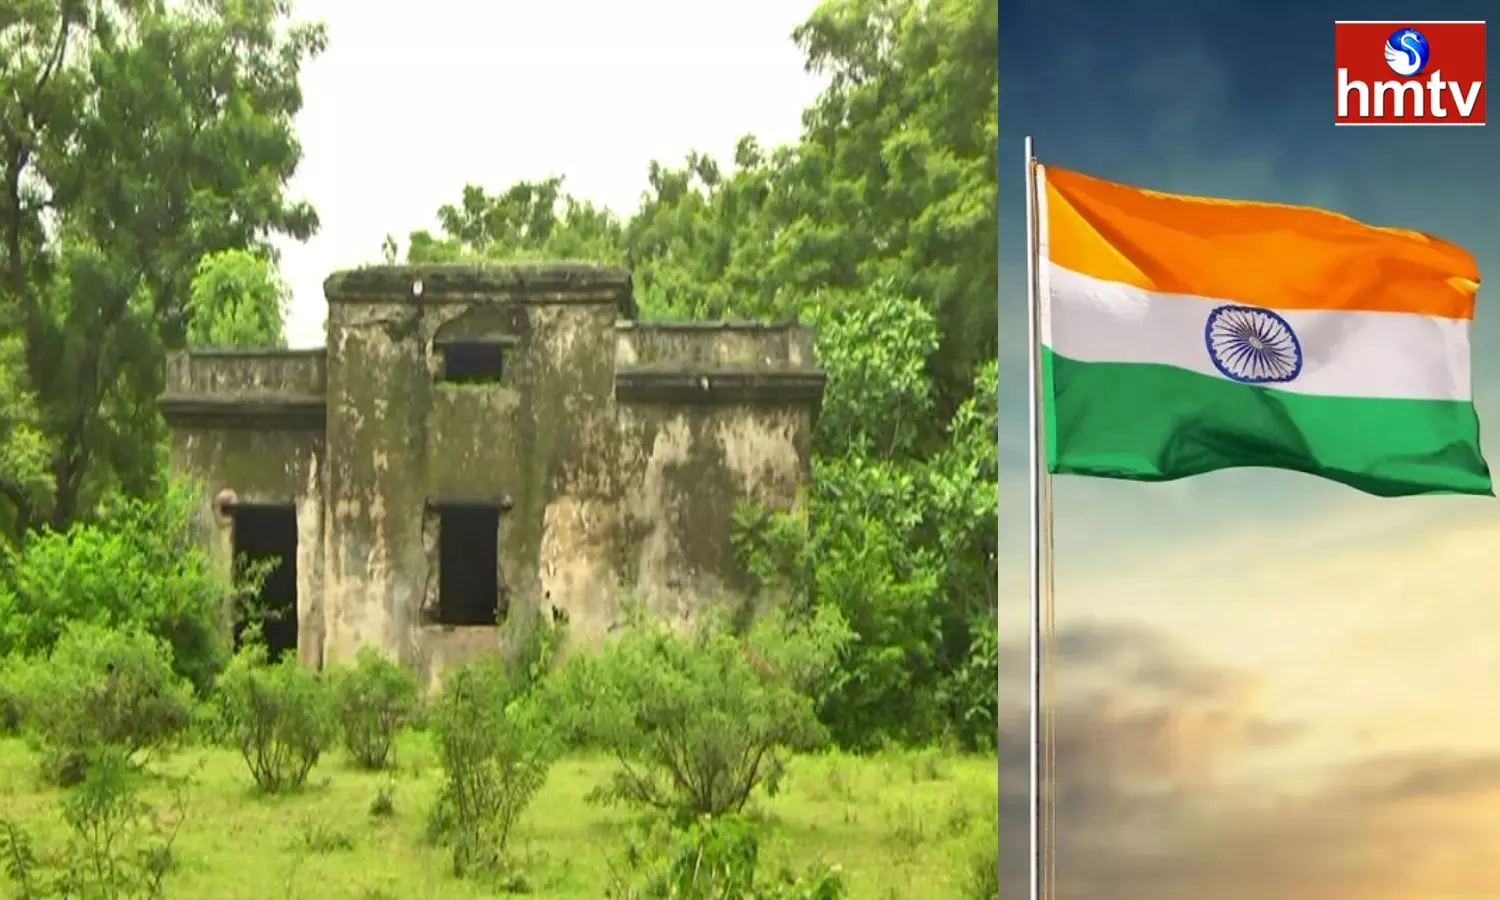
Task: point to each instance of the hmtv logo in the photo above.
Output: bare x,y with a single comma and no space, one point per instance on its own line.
1408,73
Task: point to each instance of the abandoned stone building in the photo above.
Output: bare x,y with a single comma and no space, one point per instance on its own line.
473,441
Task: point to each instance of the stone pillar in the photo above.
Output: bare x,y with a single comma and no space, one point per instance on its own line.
378,397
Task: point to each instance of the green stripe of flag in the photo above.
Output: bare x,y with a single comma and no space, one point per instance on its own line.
1142,422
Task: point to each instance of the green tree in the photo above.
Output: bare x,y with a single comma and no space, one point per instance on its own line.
528,220
26,482
902,151
237,299
893,181
136,137
901,544
143,567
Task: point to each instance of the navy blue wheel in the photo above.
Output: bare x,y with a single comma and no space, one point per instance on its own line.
1252,345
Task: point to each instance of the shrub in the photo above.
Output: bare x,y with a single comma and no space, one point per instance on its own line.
278,715
971,693
118,847
100,689
10,697
374,699
141,568
697,722
714,859
533,640
495,747
898,533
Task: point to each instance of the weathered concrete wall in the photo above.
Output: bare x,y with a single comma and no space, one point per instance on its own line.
377,402
248,425
618,451
711,415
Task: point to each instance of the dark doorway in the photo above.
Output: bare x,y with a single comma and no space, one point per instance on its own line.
469,591
269,532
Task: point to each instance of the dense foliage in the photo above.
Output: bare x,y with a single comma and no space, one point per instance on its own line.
98,689
142,565
698,723
137,139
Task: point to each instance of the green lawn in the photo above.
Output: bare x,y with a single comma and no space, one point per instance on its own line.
900,825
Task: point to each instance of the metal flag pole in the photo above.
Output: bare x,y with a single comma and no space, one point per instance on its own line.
1035,499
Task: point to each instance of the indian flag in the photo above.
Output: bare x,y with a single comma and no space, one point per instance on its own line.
1184,335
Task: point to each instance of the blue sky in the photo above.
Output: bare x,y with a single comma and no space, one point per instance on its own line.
1252,663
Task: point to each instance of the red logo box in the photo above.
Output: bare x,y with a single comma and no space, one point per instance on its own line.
1435,77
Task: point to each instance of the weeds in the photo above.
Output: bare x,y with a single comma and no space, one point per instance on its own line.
118,847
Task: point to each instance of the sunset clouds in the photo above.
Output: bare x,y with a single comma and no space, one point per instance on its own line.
1177,783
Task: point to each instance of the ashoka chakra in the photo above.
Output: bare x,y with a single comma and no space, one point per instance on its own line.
1252,345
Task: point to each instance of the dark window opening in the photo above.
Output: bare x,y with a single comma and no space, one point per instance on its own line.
265,540
473,363
469,590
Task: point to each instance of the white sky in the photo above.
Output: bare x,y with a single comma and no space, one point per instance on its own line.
412,101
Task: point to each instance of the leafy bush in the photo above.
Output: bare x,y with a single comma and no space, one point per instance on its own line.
900,539
714,859
97,690
533,640
141,568
495,746
971,691
119,847
279,716
10,697
697,722
374,699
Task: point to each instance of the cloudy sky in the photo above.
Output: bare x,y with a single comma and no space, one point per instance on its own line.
1269,686
413,101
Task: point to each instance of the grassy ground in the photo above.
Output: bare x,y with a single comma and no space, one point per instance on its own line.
900,825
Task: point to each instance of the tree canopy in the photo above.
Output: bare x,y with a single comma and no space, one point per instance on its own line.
137,137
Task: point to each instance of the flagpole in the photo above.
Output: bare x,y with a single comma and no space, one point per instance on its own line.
1034,483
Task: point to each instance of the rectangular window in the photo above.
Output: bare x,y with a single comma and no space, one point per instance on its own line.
469,585
472,362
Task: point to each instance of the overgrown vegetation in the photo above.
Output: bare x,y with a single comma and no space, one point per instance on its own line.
278,715
877,226
374,699
99,692
495,746
714,858
141,566
117,847
697,723
700,729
